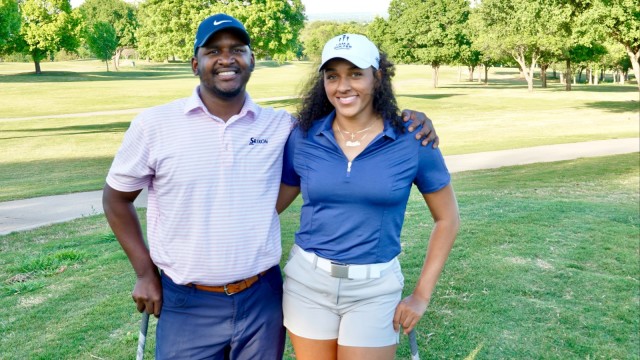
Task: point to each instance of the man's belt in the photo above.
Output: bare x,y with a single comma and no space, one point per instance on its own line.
232,288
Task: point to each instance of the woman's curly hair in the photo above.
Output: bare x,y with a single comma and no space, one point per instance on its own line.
315,104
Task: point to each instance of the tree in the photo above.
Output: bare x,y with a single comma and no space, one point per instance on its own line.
490,55
379,33
102,41
469,55
119,14
9,24
317,33
274,26
621,22
617,60
168,27
577,38
521,28
431,31
48,26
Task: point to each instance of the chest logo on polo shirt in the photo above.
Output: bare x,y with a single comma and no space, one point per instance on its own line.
254,141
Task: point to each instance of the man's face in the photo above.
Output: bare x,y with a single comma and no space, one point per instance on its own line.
224,65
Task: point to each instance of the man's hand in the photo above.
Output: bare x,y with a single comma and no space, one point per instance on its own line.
428,132
147,294
408,312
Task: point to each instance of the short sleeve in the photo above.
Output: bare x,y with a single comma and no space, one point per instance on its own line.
130,170
289,175
432,173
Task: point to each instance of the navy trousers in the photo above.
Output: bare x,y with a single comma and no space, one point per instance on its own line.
196,324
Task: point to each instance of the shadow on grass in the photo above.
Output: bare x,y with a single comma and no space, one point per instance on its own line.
616,106
281,103
603,88
513,83
427,96
142,72
506,72
118,127
270,64
70,76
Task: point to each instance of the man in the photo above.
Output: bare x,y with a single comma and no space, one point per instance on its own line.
212,164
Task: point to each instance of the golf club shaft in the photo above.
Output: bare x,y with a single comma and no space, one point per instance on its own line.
413,344
142,336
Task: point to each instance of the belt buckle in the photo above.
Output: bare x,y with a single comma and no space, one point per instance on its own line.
339,270
226,291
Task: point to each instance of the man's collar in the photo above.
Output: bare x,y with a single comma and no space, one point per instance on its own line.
249,109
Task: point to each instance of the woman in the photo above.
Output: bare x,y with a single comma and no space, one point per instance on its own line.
355,164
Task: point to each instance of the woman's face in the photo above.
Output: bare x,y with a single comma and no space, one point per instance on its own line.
349,89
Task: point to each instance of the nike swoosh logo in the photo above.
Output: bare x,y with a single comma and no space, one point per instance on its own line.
216,23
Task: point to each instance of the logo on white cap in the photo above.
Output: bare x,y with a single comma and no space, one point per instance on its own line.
343,43
357,49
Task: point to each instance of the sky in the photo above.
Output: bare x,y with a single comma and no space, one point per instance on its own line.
313,7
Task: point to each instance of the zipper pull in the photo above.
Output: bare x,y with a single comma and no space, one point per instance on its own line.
348,168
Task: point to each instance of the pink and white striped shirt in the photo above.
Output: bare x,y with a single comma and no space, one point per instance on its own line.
211,215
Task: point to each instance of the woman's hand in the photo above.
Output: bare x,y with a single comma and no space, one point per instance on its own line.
408,312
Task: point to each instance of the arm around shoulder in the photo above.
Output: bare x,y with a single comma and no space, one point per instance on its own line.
286,196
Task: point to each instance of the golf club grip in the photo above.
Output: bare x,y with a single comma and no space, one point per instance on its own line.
142,336
413,344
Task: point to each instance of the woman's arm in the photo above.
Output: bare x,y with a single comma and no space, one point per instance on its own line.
286,196
444,210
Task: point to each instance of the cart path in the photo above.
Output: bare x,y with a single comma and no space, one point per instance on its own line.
32,213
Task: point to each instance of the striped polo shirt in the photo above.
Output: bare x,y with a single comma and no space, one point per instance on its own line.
211,215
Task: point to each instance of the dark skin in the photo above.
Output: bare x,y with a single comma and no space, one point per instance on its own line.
123,219
224,65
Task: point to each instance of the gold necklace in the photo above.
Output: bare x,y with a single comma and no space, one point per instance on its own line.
353,142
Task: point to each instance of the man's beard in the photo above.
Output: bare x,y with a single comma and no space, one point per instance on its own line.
227,94
230,94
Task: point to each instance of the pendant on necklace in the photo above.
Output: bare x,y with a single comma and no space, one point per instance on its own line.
352,143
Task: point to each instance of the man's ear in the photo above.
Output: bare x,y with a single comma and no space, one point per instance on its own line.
194,66
253,62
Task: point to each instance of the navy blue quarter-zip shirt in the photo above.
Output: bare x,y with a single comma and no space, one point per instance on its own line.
353,212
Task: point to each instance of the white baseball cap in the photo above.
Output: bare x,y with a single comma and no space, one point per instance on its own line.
352,47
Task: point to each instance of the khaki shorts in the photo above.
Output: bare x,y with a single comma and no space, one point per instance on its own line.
356,312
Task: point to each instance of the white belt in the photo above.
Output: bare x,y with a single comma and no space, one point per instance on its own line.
345,271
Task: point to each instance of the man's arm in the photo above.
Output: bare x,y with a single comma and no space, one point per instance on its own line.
428,131
123,219
286,196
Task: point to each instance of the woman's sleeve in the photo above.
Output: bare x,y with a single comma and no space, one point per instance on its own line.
432,173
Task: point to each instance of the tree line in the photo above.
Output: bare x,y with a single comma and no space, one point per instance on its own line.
572,36
157,29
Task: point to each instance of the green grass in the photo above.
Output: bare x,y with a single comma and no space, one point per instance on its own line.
47,155
545,267
546,264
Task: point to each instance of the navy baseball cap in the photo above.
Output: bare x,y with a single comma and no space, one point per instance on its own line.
215,23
